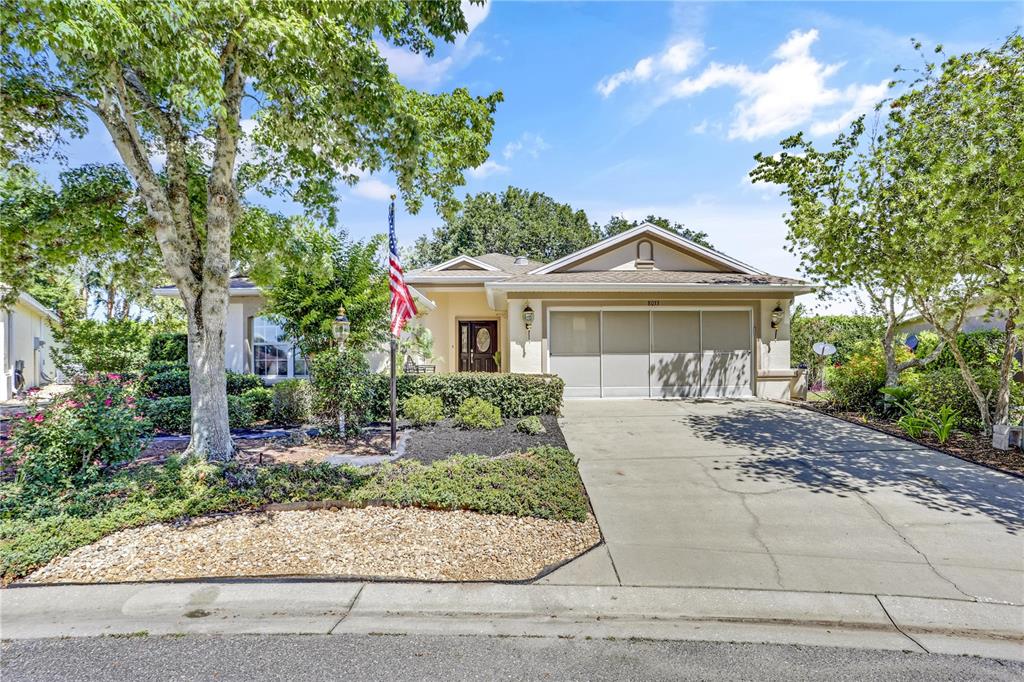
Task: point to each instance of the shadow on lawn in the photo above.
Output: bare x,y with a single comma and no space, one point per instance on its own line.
827,455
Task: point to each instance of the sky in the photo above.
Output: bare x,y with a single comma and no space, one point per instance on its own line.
631,108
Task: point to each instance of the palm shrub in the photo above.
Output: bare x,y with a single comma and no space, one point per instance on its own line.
477,413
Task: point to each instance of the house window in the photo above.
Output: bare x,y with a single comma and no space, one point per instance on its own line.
274,355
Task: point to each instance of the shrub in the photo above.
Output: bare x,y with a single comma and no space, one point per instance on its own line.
173,414
531,425
261,403
945,387
543,483
115,346
341,385
516,395
157,366
422,410
477,413
175,382
843,331
980,348
292,402
169,346
856,385
95,424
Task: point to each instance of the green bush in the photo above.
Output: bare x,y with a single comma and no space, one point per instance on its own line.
341,385
856,385
843,331
261,403
173,414
980,348
169,346
945,387
531,425
114,346
95,424
292,402
175,382
477,413
422,410
516,395
158,366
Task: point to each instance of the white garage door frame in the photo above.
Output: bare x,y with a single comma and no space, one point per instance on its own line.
650,309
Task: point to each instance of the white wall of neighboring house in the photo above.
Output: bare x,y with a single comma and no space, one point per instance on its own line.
26,335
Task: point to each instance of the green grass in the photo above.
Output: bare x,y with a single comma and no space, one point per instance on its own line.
37,527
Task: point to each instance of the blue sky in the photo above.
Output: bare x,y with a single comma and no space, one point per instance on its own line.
650,107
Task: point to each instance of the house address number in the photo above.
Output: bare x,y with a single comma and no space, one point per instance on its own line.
653,304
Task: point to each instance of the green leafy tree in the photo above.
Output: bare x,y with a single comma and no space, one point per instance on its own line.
618,225
956,139
167,80
316,273
516,222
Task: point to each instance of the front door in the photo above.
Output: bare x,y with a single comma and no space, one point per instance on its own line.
478,343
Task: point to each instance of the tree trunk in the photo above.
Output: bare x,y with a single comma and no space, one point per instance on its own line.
980,399
892,370
1002,412
211,434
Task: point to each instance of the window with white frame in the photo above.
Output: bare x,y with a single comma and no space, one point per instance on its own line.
273,353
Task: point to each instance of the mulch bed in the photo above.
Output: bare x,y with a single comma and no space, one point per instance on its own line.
966,446
442,440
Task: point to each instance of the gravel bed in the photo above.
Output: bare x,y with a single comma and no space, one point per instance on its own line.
372,542
442,440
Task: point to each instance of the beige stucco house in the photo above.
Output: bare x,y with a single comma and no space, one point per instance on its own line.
26,336
645,313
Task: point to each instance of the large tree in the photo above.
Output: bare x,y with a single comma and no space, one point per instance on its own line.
956,138
169,81
516,222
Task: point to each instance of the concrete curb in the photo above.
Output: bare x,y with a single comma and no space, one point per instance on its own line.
847,620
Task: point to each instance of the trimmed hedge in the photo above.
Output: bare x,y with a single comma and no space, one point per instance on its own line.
261,402
174,382
515,395
169,347
173,414
477,413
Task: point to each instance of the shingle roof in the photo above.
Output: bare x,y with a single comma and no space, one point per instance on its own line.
505,264
234,283
651,277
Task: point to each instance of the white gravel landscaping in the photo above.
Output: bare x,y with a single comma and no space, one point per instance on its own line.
372,542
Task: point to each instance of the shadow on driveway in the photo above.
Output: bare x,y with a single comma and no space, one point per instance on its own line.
827,455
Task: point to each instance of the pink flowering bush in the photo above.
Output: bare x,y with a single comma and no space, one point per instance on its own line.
94,425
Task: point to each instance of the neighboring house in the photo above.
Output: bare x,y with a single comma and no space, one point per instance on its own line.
978,317
26,335
642,314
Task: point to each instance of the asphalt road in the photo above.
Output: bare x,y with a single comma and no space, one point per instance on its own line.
397,658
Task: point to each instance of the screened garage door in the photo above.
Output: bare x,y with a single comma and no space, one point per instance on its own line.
659,354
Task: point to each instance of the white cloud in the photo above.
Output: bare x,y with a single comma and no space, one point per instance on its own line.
369,187
489,167
527,143
675,59
416,68
700,128
790,93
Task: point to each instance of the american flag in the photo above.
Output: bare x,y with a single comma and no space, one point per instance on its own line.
402,306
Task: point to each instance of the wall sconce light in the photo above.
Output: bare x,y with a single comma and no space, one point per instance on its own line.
777,314
528,319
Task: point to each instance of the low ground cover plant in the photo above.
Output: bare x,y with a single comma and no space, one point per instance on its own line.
423,410
477,413
39,524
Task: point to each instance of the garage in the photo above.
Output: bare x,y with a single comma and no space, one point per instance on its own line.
643,353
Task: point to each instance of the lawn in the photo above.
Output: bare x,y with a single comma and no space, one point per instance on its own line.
36,527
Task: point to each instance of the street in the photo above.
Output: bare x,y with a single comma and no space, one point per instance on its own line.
409,657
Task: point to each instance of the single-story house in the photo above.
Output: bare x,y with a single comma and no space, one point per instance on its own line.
644,313
26,334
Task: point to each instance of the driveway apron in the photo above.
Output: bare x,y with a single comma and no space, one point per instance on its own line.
754,494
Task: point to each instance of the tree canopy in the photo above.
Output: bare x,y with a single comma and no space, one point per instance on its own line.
170,81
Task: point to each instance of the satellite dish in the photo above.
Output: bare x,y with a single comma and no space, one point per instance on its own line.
823,349
1019,377
912,342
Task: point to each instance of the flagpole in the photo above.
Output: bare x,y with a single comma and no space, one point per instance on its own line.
394,381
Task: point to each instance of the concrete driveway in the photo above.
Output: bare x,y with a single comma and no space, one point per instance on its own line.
752,494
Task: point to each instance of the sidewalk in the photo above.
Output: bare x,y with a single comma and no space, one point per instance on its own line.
602,612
